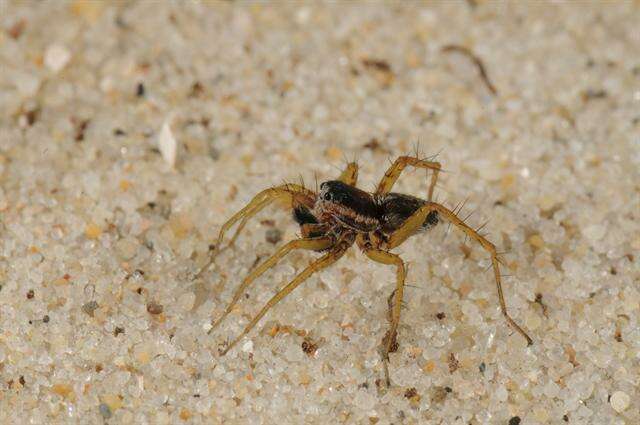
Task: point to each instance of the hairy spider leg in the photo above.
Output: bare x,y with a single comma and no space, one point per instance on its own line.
392,174
392,338
287,193
388,258
414,222
321,263
350,174
313,244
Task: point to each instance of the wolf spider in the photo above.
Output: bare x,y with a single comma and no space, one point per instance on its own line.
340,215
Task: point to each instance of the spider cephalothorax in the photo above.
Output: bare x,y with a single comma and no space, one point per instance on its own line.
348,206
340,215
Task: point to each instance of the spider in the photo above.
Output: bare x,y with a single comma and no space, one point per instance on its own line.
338,216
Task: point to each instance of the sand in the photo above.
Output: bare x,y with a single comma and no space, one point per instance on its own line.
130,131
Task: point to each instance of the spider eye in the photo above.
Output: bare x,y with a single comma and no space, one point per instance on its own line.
327,196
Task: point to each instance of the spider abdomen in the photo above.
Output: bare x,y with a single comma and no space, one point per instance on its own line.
398,207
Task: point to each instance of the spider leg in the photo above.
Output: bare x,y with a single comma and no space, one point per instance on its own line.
350,174
314,244
326,260
415,221
392,174
287,193
385,257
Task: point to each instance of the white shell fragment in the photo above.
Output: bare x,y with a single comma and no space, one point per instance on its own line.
620,401
167,144
56,57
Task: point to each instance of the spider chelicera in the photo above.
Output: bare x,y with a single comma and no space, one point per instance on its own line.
340,215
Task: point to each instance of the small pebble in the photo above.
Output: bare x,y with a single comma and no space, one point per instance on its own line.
140,90
620,401
105,411
248,346
595,232
90,307
541,414
551,390
514,420
185,414
273,235
536,241
501,393
439,394
56,57
309,347
532,320
143,353
92,231
112,401
127,247
185,301
364,400
154,308
63,390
